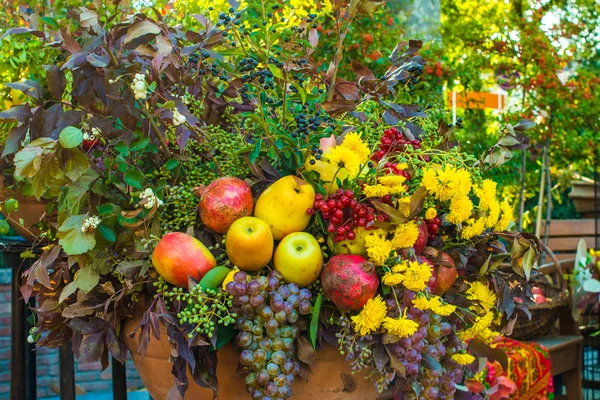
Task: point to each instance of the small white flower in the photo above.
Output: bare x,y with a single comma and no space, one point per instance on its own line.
149,203
111,81
148,192
178,119
139,86
90,224
140,95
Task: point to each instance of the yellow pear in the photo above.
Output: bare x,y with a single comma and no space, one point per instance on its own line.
283,206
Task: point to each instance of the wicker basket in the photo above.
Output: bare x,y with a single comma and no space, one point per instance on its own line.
543,315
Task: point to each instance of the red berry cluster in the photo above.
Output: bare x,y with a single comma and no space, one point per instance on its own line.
394,141
433,226
392,168
344,213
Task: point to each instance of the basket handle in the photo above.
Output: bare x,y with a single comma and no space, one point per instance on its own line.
552,267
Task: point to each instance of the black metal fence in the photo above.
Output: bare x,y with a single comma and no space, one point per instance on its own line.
23,357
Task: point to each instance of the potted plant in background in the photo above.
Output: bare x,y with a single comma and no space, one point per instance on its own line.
215,188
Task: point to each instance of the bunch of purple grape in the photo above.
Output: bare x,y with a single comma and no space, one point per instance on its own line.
434,342
268,310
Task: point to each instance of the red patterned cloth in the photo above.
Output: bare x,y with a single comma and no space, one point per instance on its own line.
528,367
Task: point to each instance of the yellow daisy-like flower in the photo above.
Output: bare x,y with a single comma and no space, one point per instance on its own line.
466,335
447,183
473,229
486,193
416,276
483,323
440,307
463,358
392,180
401,327
422,303
400,267
406,235
391,279
429,180
376,190
404,205
353,141
461,208
378,248
481,294
431,213
371,317
493,214
343,157
507,216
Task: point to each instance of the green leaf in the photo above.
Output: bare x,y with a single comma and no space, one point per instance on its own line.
86,278
172,164
301,91
108,233
139,144
122,148
4,227
275,71
105,209
314,321
134,178
256,151
67,291
11,205
50,22
224,336
72,239
70,137
28,162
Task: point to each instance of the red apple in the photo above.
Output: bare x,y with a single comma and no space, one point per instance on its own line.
177,256
223,201
446,274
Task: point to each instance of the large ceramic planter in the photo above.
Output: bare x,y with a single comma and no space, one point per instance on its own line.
30,211
582,195
331,379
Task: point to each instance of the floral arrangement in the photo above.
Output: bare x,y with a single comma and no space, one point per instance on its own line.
221,184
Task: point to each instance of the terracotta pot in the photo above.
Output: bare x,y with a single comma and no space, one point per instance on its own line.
331,379
30,210
582,195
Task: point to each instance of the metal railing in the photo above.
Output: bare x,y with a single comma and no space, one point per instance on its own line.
23,356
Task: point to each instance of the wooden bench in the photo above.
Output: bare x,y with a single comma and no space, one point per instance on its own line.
566,349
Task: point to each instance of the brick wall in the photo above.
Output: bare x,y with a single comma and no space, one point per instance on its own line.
88,377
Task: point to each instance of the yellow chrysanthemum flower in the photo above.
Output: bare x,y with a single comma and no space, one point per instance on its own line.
493,214
376,190
392,180
473,229
343,157
400,267
353,142
416,276
401,327
461,208
482,295
404,205
483,323
447,183
422,303
371,317
507,216
463,358
406,235
391,279
466,335
486,193
440,307
431,213
378,248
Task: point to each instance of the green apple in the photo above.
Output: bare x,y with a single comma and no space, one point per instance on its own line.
299,258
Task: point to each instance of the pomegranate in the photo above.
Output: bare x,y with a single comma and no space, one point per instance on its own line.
349,281
223,201
446,274
422,238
